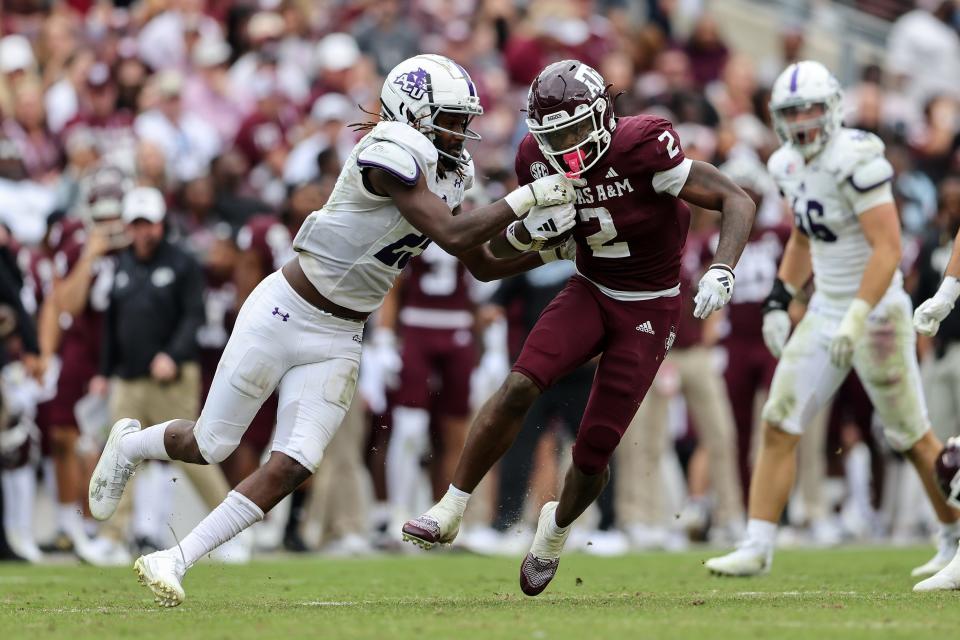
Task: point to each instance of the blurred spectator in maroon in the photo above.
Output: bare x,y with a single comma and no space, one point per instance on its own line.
933,143
131,76
386,35
39,148
210,92
707,51
110,126
59,40
266,127
233,199
188,143
193,222
162,42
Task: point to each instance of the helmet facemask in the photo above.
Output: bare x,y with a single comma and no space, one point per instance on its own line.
574,144
430,128
807,124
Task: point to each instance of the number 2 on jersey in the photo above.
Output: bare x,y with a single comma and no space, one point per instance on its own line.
601,243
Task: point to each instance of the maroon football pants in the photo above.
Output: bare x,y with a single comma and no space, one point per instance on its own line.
631,338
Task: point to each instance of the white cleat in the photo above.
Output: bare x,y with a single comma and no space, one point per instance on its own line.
749,559
946,549
112,472
162,572
947,579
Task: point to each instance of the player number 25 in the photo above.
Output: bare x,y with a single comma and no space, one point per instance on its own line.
672,149
601,243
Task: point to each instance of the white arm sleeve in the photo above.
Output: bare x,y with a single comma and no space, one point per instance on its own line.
672,180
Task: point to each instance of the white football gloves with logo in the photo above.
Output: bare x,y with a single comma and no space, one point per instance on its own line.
716,287
776,320
543,224
930,313
543,192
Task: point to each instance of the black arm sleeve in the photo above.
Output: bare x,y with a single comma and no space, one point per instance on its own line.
182,345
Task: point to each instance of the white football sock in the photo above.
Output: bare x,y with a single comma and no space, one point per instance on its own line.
233,515
147,444
761,531
454,500
19,494
409,442
70,520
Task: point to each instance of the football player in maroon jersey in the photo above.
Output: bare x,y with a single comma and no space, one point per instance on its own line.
623,304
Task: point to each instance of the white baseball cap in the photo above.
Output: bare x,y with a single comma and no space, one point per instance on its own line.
337,51
144,203
15,53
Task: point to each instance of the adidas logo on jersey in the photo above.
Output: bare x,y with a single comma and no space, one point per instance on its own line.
646,327
611,173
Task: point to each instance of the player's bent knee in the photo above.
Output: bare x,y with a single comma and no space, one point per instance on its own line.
594,447
776,435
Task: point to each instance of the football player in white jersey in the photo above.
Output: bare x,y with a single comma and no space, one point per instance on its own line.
847,236
300,330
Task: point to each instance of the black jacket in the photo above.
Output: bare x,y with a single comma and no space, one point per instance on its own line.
155,306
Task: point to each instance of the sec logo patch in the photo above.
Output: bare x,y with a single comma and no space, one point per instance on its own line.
539,170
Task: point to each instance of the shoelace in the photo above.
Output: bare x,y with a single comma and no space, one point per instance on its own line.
121,475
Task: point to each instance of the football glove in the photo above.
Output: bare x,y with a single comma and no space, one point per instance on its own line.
776,320
929,315
716,287
543,192
851,329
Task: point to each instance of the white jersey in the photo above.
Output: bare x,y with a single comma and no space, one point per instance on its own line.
827,195
353,249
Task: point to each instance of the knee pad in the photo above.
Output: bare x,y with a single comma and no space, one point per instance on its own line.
215,445
594,447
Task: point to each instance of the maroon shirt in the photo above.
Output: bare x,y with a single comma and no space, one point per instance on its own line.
637,234
270,239
436,280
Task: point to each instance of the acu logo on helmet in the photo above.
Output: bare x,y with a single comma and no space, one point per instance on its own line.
413,83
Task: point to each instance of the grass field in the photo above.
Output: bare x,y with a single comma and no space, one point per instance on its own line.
847,593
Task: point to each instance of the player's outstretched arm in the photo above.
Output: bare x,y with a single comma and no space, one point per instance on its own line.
706,187
931,312
456,234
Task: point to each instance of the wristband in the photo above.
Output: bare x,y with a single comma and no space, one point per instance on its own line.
514,240
779,298
949,289
521,200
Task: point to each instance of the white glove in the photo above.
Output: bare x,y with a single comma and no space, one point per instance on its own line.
851,329
543,192
494,365
776,330
929,315
546,223
716,287
383,347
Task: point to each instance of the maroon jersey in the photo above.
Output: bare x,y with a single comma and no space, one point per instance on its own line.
113,135
270,239
629,237
435,292
80,343
37,264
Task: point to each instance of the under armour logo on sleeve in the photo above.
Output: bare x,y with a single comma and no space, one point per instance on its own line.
281,315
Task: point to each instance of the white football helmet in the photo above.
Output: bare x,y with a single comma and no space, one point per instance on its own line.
800,88
419,88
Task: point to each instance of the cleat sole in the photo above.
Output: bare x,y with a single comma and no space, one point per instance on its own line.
164,596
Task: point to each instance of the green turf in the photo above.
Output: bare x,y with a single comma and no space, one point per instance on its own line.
849,593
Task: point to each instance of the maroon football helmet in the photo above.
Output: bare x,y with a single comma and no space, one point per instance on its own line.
948,472
570,114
